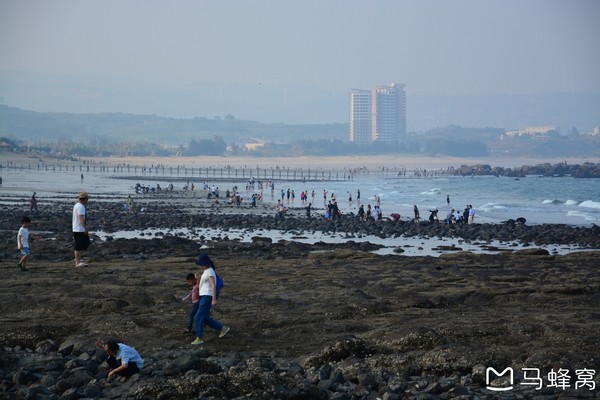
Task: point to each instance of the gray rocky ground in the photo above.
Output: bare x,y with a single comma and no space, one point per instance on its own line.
308,321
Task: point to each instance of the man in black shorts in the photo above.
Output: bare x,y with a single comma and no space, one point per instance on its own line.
80,229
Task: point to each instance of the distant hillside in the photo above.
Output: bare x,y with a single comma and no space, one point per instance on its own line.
23,124
564,110
291,104
150,134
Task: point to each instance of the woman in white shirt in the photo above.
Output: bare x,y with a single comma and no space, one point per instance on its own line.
207,288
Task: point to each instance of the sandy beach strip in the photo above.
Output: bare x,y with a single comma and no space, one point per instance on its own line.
372,162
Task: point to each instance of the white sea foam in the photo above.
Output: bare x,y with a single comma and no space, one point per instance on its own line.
581,214
432,192
571,203
492,206
551,202
590,204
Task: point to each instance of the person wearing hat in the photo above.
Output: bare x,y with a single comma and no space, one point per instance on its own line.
207,288
80,229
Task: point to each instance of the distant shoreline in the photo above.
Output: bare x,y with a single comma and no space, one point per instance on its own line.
335,162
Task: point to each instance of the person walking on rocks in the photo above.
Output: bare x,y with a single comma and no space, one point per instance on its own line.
33,203
123,360
130,204
208,298
195,296
417,216
80,229
23,243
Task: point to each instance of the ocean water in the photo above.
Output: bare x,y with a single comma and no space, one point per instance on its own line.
540,200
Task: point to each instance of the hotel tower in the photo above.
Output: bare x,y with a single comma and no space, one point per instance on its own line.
378,115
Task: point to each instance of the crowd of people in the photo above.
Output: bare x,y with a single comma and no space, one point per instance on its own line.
123,359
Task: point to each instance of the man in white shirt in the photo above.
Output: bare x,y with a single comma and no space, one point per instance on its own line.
80,229
471,214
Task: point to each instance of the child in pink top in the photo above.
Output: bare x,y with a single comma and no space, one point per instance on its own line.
195,295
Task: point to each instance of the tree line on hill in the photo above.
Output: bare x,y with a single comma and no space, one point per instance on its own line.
133,135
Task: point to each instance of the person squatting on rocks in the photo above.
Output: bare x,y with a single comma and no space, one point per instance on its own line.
280,209
195,296
433,217
123,360
80,229
207,289
395,217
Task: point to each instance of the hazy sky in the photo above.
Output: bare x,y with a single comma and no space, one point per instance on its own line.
104,55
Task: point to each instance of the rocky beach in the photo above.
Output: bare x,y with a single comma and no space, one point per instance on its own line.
320,320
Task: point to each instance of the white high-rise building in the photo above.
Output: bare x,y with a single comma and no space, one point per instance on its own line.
388,113
360,116
386,121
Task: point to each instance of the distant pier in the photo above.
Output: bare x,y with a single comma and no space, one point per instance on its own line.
179,173
227,173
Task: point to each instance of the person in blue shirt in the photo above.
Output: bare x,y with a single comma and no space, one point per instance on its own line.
123,360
